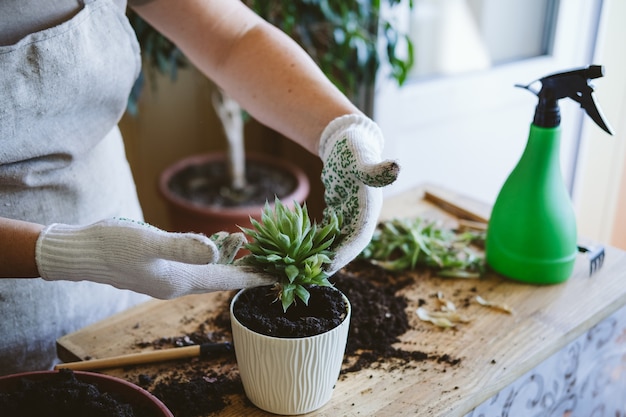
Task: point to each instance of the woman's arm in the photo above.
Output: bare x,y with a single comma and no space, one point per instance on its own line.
17,248
255,63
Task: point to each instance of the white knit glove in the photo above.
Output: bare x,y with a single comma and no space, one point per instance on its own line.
133,255
353,174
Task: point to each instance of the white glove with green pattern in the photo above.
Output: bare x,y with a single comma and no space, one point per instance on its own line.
133,255
353,176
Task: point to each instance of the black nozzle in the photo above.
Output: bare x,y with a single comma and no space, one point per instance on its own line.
547,112
594,71
573,84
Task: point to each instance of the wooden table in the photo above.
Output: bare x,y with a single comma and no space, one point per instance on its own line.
494,348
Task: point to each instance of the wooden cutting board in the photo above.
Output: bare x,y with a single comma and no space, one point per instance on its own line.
494,348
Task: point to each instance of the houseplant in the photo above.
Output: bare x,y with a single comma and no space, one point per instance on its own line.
349,40
342,37
290,338
222,190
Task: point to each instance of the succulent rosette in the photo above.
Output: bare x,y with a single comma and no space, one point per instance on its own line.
286,244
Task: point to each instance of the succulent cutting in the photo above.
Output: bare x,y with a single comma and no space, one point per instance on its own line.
403,244
287,244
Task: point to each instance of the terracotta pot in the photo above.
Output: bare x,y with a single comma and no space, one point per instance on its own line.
186,215
123,390
289,376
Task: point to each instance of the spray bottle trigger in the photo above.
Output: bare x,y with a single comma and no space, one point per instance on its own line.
588,103
596,115
575,85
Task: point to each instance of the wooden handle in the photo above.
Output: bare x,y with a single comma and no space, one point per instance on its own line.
452,206
133,359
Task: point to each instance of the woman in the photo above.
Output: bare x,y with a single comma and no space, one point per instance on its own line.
68,208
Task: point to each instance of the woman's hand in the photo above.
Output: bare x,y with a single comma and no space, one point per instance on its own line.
136,256
353,176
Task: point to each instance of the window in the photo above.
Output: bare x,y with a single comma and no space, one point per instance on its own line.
456,36
464,125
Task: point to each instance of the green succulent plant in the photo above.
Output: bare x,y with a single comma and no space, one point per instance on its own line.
404,244
287,245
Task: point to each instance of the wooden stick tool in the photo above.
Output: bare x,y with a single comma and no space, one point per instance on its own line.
453,206
161,355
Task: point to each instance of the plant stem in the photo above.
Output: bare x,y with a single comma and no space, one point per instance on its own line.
229,112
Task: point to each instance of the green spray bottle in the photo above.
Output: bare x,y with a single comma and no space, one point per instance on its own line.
532,235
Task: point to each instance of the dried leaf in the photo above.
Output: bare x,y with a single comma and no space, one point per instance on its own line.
457,273
446,305
437,321
444,319
453,316
502,307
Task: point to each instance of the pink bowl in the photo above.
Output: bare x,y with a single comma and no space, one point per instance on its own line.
125,391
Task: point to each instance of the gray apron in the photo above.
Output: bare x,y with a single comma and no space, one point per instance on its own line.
62,159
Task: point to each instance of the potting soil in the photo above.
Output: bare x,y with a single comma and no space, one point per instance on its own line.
208,185
258,310
63,395
378,319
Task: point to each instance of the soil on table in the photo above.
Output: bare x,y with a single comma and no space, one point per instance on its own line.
379,318
209,185
63,395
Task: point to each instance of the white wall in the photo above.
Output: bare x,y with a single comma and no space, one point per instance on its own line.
599,195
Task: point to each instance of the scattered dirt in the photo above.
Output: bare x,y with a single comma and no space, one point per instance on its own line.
197,395
63,395
378,320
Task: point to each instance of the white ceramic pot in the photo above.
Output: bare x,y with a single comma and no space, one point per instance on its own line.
289,376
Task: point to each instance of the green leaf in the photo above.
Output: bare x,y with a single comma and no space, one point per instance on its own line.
303,294
273,258
292,272
287,296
